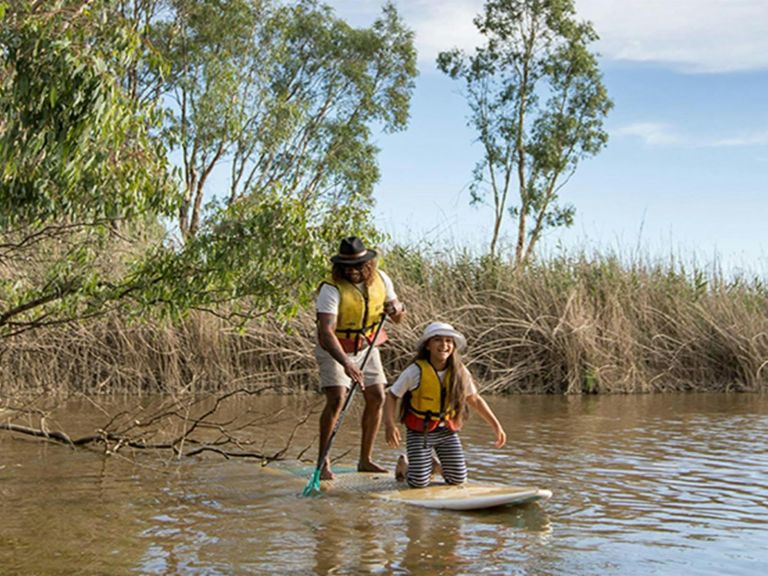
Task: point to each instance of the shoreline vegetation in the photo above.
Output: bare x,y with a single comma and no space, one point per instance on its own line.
569,325
128,269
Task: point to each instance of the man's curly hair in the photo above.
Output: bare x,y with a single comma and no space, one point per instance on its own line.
367,269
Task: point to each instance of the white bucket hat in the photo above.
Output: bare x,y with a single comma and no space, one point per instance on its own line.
442,329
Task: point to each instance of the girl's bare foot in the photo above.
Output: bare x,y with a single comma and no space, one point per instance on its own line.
401,469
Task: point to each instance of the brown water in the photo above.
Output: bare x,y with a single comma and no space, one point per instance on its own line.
642,485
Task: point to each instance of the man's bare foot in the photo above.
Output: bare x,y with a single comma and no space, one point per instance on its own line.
326,474
370,467
401,469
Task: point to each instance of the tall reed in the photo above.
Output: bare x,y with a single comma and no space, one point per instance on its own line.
584,324
569,325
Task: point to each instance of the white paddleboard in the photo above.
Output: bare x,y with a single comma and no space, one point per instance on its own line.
468,496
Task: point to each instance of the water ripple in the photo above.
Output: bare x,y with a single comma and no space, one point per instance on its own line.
662,485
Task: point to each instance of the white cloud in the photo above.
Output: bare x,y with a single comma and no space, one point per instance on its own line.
442,26
660,134
752,139
688,35
438,24
651,133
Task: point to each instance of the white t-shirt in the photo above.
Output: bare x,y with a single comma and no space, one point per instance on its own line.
410,378
328,298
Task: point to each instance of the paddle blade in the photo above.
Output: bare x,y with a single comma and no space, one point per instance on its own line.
313,485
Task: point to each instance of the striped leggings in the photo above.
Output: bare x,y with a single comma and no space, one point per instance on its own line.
446,445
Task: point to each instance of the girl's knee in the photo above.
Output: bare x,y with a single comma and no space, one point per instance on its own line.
455,478
417,482
418,476
454,474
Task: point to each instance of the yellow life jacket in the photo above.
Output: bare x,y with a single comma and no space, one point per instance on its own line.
360,312
425,406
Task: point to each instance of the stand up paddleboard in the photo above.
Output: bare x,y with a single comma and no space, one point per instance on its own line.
468,496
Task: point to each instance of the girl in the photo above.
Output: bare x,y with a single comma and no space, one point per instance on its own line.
435,390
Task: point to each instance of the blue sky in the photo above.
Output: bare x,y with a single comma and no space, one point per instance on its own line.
684,175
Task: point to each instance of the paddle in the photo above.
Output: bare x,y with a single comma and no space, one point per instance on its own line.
314,482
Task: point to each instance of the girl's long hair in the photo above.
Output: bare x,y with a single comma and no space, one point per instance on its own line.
455,400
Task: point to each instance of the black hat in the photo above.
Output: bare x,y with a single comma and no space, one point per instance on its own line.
352,251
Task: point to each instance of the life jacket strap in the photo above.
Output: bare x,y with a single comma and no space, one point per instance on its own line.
364,331
427,420
356,340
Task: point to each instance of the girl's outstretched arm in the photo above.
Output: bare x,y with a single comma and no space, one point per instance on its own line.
390,427
481,407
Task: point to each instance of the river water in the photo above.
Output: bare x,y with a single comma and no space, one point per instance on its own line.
658,484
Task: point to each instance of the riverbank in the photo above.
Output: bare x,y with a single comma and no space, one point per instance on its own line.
570,325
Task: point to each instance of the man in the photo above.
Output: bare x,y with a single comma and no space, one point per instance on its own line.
350,305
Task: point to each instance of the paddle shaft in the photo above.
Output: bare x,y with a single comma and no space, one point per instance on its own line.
347,400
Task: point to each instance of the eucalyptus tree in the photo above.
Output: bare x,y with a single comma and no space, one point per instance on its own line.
270,110
271,97
77,160
98,97
537,102
72,144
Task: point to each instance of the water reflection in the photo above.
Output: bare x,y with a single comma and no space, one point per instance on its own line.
431,539
389,538
650,484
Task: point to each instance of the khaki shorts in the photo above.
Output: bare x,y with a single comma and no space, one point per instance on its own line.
332,373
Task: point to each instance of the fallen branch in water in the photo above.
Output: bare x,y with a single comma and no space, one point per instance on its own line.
55,436
185,427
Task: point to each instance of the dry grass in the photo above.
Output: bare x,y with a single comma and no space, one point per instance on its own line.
201,354
584,325
570,326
